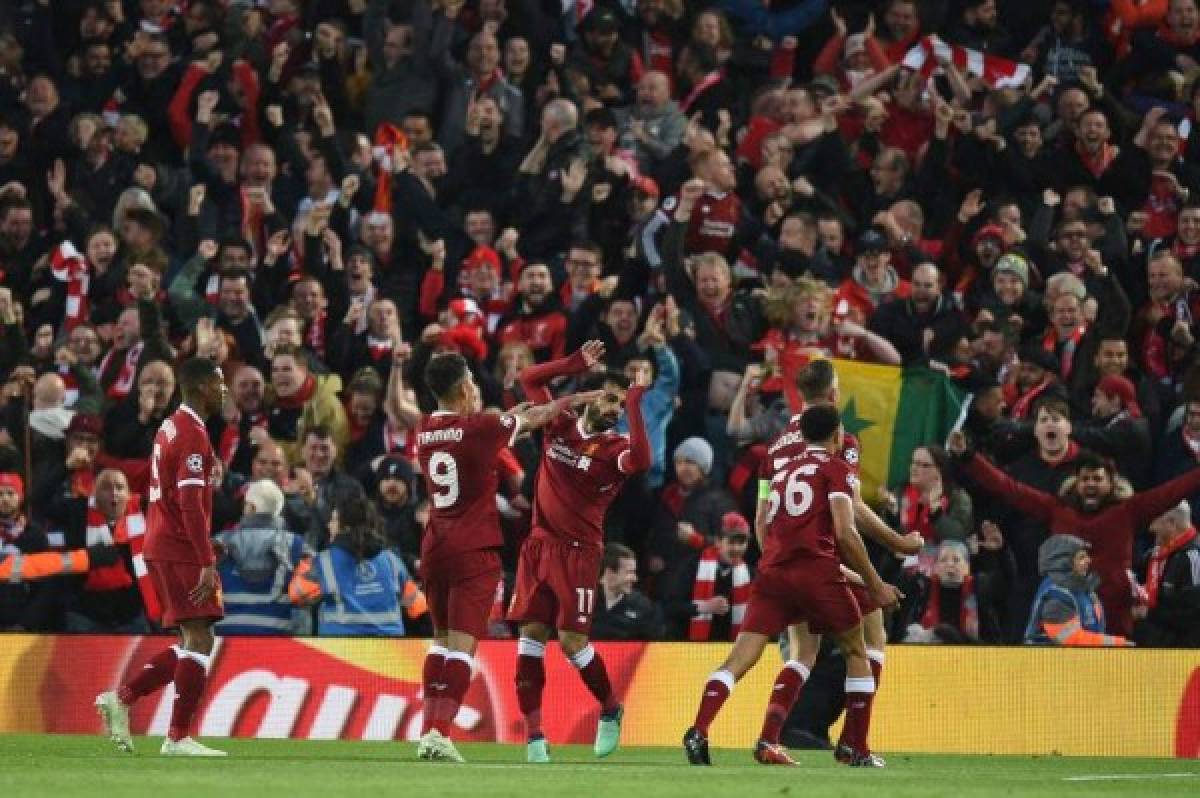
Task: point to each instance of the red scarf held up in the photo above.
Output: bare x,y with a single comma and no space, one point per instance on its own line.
1158,563
393,140
69,266
968,612
314,336
914,513
130,530
123,384
705,588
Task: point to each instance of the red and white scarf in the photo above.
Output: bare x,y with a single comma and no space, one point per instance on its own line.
398,440
709,80
1097,163
705,588
1067,359
968,608
1158,564
130,530
69,266
997,73
123,384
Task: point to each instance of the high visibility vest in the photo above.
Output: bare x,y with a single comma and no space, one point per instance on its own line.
258,608
360,597
1088,611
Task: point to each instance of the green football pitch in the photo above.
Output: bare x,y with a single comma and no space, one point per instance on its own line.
64,766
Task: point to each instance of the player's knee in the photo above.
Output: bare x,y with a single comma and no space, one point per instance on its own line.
572,642
535,631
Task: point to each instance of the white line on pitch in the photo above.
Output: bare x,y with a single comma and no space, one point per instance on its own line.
1132,776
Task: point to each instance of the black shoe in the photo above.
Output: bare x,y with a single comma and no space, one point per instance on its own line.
848,756
695,745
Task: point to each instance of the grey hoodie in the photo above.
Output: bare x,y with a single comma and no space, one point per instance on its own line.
258,546
1056,558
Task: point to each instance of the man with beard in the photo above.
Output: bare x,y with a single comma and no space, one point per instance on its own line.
612,67
654,126
537,318
397,501
1091,508
1112,360
911,323
584,465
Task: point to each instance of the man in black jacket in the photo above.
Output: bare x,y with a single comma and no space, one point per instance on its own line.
910,323
624,612
1171,615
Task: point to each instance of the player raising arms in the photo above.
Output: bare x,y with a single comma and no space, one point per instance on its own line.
583,467
457,448
179,556
817,383
810,521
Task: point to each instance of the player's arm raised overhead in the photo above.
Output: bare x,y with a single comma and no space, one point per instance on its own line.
530,416
639,456
536,379
851,547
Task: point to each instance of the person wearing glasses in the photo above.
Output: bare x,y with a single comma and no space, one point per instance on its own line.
930,504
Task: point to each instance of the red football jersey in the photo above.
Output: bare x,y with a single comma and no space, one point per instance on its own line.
183,470
457,455
799,515
790,443
580,475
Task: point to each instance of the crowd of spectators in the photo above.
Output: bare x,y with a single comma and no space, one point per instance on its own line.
321,194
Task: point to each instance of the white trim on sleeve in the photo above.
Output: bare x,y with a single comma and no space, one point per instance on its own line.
183,483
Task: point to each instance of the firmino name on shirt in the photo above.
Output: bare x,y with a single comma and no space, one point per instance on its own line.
447,435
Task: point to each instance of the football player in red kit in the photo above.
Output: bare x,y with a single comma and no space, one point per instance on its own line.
817,384
810,521
583,467
180,560
457,448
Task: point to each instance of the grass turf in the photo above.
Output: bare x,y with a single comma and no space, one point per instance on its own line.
66,766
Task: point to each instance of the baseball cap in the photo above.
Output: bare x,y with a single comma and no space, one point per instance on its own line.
871,240
86,424
601,20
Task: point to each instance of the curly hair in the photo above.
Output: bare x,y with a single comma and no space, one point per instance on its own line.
781,300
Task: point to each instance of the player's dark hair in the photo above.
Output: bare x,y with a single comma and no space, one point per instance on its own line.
1052,403
613,554
815,379
193,374
819,422
596,381
444,372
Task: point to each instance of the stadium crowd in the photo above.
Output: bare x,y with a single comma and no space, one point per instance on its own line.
321,194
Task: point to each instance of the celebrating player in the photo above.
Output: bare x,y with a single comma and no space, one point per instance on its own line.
457,447
179,557
817,383
810,520
584,465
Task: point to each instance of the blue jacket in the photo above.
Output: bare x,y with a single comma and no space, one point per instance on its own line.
658,406
260,556
360,597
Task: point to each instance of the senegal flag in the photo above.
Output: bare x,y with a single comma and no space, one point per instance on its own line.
893,411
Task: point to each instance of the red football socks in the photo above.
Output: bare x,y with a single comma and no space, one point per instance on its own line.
531,680
191,671
154,675
595,676
783,697
860,693
716,690
455,679
431,672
